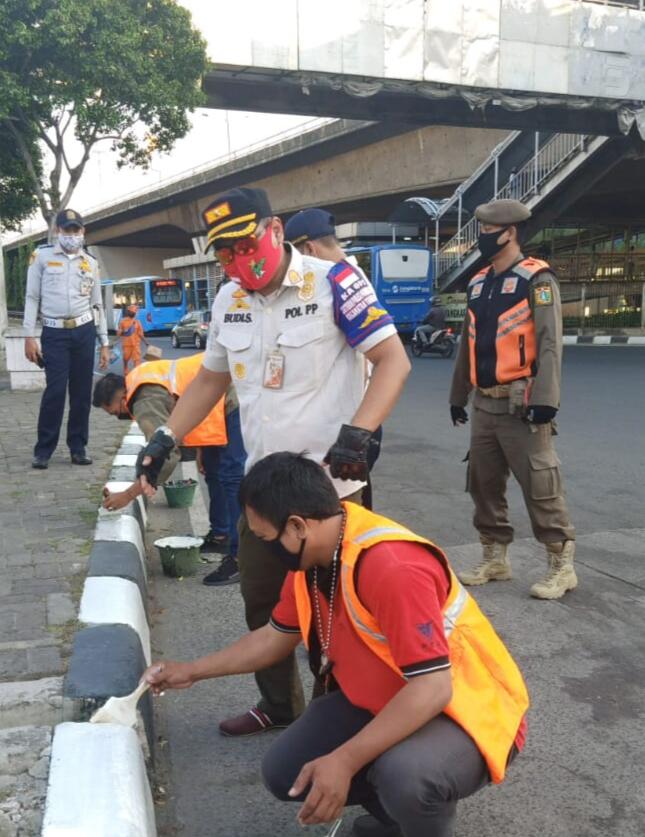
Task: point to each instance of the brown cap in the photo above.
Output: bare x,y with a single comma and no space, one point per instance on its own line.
502,212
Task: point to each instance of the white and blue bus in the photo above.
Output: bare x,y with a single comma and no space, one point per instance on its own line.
161,302
402,277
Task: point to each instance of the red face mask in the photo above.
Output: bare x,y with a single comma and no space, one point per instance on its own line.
253,261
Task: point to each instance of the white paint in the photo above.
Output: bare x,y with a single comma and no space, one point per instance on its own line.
602,340
97,784
569,339
128,460
636,341
108,600
134,439
178,542
120,528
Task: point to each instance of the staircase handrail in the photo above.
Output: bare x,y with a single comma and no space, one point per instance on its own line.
525,183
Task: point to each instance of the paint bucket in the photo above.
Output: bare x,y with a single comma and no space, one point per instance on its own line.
179,555
180,494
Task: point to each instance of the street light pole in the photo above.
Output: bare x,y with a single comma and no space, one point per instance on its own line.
4,318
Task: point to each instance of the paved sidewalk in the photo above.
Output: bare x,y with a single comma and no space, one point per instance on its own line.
46,523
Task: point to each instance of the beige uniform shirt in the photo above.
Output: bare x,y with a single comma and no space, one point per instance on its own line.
61,286
322,375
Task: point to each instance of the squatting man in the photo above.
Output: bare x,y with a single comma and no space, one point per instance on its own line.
423,704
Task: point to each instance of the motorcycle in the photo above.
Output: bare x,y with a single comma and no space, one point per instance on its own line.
442,342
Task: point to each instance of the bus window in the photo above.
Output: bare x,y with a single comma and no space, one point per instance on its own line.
124,295
165,292
399,264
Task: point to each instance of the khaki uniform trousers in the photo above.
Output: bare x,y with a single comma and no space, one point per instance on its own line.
502,444
261,578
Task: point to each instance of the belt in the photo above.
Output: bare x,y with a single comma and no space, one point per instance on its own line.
67,322
499,391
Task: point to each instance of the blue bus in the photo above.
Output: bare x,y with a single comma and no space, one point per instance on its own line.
161,302
402,277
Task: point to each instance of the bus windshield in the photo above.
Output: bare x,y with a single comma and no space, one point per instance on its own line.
165,292
400,264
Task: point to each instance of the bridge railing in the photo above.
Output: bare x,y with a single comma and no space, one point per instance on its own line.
522,185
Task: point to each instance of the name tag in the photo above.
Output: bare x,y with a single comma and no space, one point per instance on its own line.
476,290
510,285
274,370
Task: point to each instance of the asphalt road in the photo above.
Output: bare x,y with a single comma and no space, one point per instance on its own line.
581,772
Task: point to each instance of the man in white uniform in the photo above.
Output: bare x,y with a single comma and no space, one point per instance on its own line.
292,333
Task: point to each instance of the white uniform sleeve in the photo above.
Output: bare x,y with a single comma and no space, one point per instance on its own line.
32,295
97,306
215,358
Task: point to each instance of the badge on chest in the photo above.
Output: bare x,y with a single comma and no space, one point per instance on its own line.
273,370
509,286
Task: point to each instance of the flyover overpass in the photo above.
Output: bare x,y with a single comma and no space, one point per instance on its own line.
360,170
547,65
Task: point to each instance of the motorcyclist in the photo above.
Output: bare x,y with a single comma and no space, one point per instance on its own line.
434,320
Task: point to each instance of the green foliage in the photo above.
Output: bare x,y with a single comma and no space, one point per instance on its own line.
126,71
16,263
17,200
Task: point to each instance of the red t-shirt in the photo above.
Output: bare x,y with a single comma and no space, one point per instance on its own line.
405,589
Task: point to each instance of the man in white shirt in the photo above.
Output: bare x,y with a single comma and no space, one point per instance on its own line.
292,333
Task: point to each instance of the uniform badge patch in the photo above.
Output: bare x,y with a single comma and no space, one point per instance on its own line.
476,290
308,289
240,293
32,258
222,210
373,314
239,305
85,266
509,285
294,277
239,370
543,295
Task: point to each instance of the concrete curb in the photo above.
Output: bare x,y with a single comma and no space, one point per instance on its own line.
98,786
602,340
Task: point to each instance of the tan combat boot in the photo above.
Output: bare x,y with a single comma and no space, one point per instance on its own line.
561,575
494,565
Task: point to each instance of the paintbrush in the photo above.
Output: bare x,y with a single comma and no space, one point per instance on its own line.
120,710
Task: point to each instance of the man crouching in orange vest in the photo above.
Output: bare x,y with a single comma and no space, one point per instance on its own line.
424,704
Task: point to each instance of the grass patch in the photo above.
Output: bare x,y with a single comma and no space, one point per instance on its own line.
88,516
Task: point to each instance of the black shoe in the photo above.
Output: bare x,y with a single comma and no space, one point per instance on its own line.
81,459
369,826
40,463
215,543
226,573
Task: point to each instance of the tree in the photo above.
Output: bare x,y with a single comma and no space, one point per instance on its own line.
17,200
74,73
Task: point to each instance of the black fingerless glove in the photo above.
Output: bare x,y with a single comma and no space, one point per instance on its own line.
158,449
539,414
347,457
458,415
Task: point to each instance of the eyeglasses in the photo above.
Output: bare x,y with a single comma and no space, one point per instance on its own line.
242,247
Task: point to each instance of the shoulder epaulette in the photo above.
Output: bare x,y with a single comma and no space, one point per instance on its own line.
478,275
529,267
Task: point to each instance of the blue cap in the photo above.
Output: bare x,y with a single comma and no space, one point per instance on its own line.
309,224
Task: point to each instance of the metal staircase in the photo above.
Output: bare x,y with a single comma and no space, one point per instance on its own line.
530,167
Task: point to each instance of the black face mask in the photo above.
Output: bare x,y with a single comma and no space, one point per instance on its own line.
487,243
291,560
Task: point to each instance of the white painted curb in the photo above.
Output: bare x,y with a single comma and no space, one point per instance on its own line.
98,785
120,528
120,485
108,600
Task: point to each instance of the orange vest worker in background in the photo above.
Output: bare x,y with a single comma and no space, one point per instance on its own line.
131,333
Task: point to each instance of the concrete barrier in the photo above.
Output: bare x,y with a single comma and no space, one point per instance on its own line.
98,785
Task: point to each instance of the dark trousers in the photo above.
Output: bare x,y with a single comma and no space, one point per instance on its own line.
415,784
69,363
223,472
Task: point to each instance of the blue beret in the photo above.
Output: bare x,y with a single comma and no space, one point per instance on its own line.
309,224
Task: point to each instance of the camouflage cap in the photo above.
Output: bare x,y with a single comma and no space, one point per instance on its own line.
502,212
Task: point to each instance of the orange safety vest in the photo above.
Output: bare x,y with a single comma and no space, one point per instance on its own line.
515,347
489,697
175,375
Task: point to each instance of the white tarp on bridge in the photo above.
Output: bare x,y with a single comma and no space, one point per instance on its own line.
566,47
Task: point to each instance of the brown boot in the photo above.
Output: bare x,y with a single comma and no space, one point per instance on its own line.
494,565
561,576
